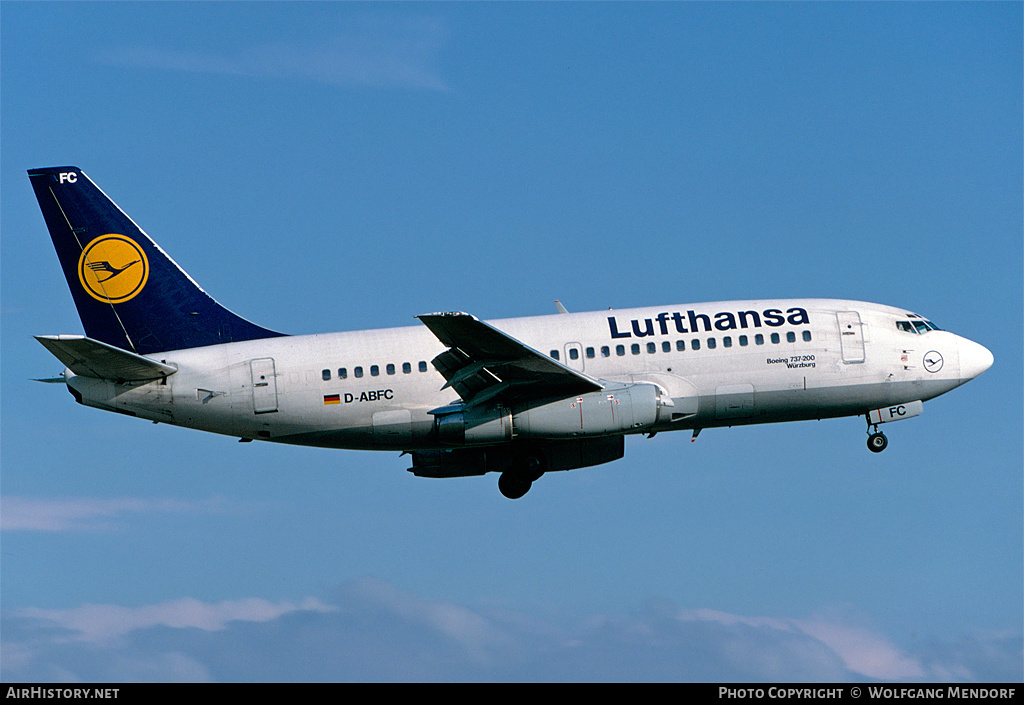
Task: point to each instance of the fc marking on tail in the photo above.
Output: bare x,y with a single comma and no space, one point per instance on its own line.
68,177
113,268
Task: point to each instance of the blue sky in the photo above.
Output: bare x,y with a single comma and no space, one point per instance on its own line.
322,167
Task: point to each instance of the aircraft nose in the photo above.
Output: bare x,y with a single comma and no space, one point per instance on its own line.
974,358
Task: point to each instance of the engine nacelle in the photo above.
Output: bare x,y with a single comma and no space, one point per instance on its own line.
475,426
611,411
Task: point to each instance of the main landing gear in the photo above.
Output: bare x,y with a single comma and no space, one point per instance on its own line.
517,480
877,441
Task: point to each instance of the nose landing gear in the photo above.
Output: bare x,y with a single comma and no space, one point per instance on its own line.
877,441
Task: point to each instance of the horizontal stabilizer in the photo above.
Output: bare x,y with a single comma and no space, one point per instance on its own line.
91,358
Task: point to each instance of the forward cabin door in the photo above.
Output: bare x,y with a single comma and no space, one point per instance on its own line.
264,385
851,336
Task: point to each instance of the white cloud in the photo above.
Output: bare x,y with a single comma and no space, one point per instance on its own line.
92,514
101,622
371,631
376,52
861,650
473,631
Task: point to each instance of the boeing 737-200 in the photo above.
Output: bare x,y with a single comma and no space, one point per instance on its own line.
461,396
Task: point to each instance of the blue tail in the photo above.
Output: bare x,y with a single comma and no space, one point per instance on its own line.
129,293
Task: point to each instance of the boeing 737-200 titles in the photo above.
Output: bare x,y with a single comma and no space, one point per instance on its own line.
461,396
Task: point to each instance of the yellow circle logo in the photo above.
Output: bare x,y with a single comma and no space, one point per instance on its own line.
113,268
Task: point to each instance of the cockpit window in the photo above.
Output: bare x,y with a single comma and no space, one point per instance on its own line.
916,325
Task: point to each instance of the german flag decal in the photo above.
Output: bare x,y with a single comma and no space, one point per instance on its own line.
332,398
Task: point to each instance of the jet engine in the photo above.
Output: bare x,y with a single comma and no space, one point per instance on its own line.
608,412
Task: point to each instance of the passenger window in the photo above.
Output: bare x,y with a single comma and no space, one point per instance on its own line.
423,366
680,345
374,371
358,372
651,348
695,344
554,354
759,339
620,350
326,374
406,368
605,351
743,340
590,353
711,344
666,346
574,354
807,336
390,369
635,348
790,337
727,342
775,338
342,373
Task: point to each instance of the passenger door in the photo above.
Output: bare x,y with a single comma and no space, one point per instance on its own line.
264,385
851,336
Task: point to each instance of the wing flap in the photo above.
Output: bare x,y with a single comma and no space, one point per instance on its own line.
92,358
483,363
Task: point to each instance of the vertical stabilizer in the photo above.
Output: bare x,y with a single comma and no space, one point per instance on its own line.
129,293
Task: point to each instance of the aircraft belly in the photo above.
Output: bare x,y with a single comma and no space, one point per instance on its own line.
811,403
391,432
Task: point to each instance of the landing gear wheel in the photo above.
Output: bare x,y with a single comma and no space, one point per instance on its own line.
877,442
527,467
513,486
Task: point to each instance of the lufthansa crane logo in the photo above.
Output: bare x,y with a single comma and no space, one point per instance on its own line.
113,268
932,361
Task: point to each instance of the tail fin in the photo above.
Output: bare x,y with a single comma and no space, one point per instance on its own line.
129,293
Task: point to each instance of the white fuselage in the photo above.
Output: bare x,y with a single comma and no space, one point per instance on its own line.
721,364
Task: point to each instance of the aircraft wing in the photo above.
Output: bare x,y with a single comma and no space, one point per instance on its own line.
482,363
91,358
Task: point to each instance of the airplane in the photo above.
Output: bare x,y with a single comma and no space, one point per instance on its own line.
464,397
